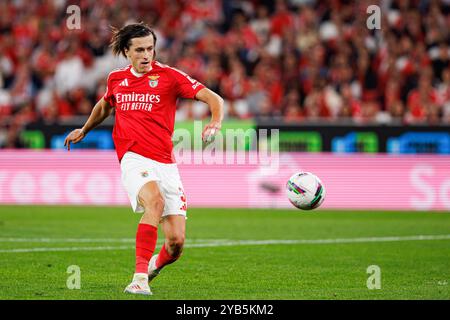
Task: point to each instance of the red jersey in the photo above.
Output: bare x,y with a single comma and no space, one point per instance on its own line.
145,109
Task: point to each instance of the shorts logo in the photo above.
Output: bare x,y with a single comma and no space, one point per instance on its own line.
153,82
183,200
144,174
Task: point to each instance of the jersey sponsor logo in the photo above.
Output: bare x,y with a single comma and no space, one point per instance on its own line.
153,82
138,97
136,101
124,83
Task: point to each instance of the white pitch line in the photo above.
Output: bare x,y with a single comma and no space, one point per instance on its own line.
225,243
65,240
62,249
92,240
323,241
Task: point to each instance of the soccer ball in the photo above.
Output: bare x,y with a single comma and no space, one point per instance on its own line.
305,191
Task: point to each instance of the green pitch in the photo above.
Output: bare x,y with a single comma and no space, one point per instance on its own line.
229,254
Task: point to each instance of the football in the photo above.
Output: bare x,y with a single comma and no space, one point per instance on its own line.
305,191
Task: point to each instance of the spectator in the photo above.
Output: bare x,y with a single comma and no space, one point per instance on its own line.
422,102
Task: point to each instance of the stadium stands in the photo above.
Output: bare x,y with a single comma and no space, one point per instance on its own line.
293,61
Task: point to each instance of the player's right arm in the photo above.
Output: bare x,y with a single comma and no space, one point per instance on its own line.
100,112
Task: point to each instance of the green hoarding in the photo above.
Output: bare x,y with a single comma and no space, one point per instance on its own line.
236,135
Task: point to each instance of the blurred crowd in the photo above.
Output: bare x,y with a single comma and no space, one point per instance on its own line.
287,60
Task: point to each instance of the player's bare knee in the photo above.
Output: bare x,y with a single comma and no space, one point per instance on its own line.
175,244
176,240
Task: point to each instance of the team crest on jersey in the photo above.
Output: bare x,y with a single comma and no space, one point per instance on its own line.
153,82
144,174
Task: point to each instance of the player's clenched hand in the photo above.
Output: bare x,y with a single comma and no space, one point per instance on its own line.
74,137
211,129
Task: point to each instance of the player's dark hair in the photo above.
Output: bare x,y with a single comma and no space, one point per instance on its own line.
121,38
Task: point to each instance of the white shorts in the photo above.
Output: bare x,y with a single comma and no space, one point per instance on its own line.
138,170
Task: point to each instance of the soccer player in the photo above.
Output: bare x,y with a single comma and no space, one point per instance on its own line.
144,96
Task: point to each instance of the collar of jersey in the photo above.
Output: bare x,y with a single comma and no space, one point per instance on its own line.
137,74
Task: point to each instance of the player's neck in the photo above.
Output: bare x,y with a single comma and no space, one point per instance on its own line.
138,74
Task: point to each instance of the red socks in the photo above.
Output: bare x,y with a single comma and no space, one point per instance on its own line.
164,258
146,237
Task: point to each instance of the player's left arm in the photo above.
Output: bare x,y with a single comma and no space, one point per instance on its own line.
215,103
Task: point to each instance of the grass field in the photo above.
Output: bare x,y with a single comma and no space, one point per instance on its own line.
229,254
